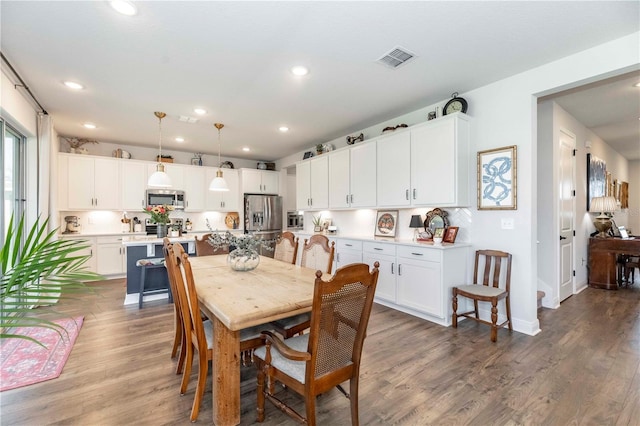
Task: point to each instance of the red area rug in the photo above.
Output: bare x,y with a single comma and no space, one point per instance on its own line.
23,362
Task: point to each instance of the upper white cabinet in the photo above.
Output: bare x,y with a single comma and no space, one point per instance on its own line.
443,179
133,185
394,172
194,188
93,183
260,181
425,165
352,177
225,201
312,183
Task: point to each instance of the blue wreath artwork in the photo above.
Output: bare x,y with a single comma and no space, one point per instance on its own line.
497,178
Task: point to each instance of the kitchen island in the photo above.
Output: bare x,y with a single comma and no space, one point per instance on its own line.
150,247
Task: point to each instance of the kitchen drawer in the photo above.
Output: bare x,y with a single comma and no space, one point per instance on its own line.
111,239
379,248
348,245
419,253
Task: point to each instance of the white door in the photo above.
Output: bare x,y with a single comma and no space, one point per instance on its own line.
566,194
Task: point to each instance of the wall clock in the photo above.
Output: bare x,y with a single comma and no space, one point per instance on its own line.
455,104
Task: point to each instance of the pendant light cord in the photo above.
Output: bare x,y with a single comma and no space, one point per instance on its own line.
219,126
160,116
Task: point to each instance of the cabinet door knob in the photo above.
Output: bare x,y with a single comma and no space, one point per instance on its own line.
417,254
392,269
414,193
377,248
352,198
399,269
406,194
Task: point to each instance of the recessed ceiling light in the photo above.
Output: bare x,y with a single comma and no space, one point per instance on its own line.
89,125
73,85
637,84
179,139
246,149
283,129
123,6
300,70
200,111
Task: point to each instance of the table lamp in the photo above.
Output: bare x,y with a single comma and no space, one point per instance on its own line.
605,206
416,222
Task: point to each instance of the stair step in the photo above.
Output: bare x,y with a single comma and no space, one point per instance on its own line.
540,296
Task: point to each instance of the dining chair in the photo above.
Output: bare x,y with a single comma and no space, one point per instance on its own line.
317,253
495,286
286,249
203,248
330,353
178,335
199,333
630,266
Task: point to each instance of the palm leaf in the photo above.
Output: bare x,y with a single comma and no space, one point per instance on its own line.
38,273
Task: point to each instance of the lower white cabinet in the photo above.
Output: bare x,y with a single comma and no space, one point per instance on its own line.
385,254
90,250
347,252
111,256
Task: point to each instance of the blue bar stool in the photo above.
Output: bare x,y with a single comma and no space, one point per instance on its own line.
147,264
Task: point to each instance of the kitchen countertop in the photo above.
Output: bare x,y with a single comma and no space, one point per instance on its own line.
388,240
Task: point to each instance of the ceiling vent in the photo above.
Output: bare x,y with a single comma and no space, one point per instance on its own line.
396,57
186,119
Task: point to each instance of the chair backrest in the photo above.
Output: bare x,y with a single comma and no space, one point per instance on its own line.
339,318
318,254
183,276
490,263
286,248
203,248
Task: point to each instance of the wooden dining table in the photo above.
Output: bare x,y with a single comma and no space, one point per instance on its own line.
236,300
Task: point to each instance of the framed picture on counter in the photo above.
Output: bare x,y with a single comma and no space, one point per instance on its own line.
386,223
450,234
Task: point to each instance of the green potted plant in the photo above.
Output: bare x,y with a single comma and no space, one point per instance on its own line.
317,223
37,274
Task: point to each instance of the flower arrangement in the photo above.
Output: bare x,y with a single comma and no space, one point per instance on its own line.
159,214
243,244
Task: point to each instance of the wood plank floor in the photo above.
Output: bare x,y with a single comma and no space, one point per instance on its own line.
582,369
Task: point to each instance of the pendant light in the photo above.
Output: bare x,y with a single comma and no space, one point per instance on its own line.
218,183
159,178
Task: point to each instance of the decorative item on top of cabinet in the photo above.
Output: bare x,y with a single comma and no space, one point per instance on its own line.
76,143
393,128
455,104
353,139
197,159
226,165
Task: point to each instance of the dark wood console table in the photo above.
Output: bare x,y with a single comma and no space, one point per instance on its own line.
602,259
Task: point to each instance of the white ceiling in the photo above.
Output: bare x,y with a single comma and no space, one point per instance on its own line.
233,59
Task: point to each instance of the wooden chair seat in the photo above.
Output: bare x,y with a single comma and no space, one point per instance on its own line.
493,286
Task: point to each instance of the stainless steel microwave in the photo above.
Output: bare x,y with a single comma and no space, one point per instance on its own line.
167,197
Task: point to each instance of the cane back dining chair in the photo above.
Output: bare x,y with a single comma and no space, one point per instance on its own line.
286,249
317,253
178,335
313,363
203,248
495,286
199,333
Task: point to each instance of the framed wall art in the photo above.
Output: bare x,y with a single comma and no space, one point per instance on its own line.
497,179
596,178
450,234
386,223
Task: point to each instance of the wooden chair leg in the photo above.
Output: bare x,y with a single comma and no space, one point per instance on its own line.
475,306
494,320
310,407
260,395
353,398
508,306
203,370
454,316
182,356
177,336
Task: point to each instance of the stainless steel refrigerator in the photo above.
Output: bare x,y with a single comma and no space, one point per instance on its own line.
263,218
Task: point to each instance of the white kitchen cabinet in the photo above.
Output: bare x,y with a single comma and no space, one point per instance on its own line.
223,201
93,183
394,169
419,281
385,255
175,171
352,177
260,181
446,143
195,189
111,256
312,184
347,252
133,185
89,250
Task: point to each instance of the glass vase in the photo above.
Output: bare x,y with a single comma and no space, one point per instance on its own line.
161,230
243,260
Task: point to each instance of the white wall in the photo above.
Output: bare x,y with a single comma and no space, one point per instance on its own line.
633,219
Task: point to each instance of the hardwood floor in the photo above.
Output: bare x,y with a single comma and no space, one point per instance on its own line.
583,369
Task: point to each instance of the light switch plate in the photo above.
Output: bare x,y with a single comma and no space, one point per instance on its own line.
507,223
